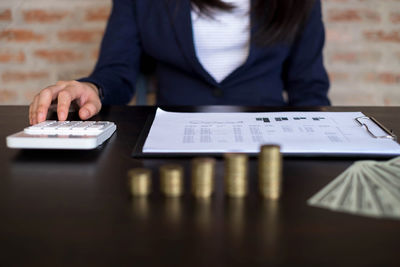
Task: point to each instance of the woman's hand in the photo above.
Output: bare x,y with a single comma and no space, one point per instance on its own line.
85,94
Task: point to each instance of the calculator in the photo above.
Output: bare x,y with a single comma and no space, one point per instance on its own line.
52,134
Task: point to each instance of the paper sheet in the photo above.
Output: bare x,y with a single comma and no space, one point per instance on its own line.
295,132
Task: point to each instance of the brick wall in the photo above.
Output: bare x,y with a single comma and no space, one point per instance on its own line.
362,53
42,41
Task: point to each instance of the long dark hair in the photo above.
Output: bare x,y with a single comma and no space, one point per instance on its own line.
276,20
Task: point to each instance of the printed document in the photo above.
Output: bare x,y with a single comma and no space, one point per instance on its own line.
296,133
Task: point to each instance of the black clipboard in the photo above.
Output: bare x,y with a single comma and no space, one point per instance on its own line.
138,148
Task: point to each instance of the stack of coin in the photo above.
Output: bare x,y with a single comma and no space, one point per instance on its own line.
236,169
203,177
171,177
270,171
139,181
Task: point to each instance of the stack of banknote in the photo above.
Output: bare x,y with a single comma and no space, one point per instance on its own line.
368,188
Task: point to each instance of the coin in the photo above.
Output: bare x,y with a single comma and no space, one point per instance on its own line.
236,169
203,177
139,181
171,180
270,171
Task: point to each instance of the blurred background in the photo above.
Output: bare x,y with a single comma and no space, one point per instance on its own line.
43,41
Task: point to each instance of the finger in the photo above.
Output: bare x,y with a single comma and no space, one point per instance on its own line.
65,97
64,101
32,109
90,103
88,110
44,101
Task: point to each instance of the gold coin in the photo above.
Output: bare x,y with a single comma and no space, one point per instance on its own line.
236,169
203,177
270,171
139,181
171,180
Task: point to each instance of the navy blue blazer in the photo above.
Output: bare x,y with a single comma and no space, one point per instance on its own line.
163,30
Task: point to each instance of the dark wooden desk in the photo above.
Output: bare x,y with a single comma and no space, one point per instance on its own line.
72,208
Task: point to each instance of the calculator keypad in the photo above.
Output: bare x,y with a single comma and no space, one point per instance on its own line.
69,127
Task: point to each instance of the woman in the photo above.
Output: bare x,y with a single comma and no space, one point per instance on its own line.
207,52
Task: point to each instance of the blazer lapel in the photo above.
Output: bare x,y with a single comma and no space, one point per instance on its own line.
253,50
181,21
